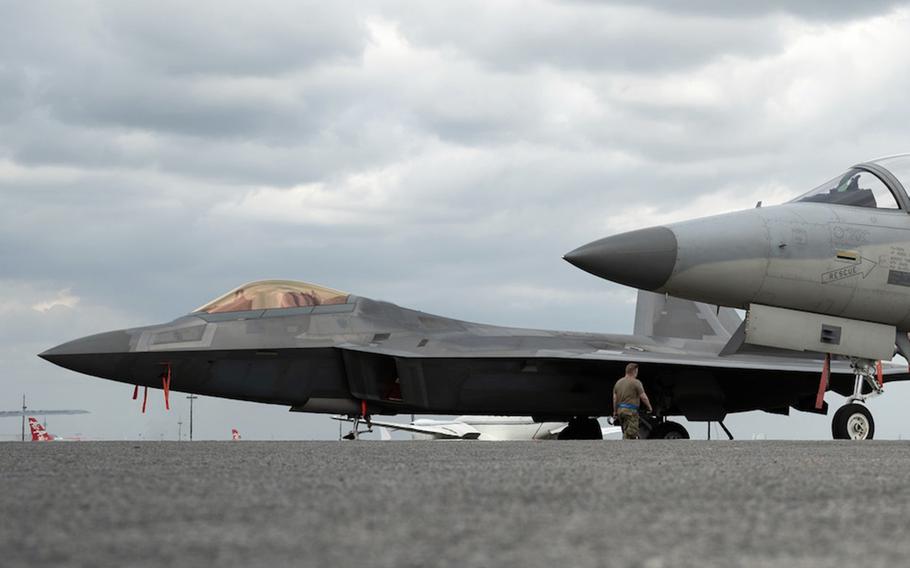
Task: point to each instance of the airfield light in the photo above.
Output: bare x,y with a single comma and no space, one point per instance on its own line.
191,398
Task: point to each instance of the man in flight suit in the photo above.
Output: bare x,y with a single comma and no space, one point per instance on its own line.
628,395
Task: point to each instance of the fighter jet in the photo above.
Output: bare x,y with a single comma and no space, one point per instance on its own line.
321,350
826,273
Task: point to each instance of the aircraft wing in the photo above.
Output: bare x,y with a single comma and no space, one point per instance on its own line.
527,377
759,362
605,432
30,412
611,430
453,431
797,363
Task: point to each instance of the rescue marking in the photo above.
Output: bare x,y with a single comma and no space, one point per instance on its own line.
863,267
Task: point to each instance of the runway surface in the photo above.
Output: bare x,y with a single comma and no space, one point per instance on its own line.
455,504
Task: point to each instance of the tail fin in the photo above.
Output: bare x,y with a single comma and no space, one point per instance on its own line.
39,434
235,435
659,315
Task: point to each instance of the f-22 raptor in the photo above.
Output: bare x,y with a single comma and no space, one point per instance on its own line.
321,350
826,273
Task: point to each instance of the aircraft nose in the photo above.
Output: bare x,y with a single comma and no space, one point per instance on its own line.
642,259
96,355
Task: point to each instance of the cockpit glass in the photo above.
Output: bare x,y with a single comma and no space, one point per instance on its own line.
274,294
857,188
899,166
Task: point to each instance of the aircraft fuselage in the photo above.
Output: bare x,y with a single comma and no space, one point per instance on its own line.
843,250
830,259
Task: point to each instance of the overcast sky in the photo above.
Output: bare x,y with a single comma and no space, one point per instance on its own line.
439,156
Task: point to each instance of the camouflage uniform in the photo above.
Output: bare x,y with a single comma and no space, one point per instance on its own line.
628,419
628,392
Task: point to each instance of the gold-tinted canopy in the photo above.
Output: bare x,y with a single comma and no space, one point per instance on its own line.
274,294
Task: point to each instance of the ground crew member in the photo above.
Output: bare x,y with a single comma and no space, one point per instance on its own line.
628,395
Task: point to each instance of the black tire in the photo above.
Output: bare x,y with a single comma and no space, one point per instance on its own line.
645,425
853,422
669,431
581,429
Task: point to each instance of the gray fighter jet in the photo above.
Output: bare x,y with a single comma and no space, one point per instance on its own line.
827,273
321,350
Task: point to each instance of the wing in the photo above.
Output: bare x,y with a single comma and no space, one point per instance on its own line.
453,431
522,378
798,362
605,432
612,430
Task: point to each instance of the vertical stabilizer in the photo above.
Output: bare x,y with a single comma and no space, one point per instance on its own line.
39,434
659,315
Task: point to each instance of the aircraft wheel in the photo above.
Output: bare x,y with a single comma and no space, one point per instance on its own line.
669,431
853,422
581,429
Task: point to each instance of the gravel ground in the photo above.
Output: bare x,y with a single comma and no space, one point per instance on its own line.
460,504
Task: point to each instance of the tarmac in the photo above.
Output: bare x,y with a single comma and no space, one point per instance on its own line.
428,504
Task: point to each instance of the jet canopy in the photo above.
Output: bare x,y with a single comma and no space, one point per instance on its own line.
879,184
898,166
274,294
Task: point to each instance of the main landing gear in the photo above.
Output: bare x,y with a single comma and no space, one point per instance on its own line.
581,428
658,428
669,430
853,421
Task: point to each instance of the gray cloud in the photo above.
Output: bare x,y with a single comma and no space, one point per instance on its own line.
231,39
592,36
813,10
439,157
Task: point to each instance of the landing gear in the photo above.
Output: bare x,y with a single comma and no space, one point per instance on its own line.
581,429
355,432
659,428
668,430
853,421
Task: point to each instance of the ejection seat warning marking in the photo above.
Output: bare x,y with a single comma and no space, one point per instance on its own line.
900,259
899,266
861,268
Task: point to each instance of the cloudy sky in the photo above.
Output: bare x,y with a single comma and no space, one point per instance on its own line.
440,156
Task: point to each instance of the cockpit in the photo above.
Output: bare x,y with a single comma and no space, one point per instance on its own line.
879,184
274,294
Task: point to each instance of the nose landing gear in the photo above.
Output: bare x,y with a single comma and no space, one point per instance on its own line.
854,421
364,416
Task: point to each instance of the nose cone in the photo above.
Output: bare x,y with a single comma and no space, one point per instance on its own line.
642,259
96,355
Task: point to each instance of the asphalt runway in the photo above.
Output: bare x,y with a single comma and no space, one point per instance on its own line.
460,504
